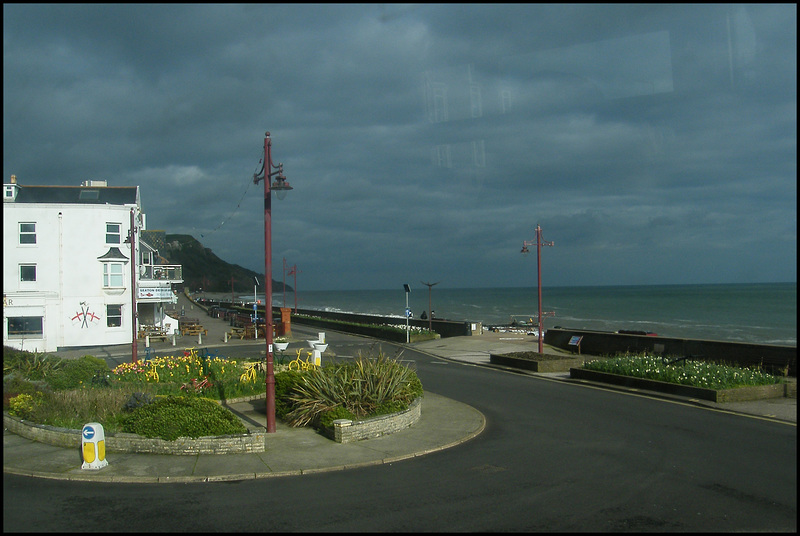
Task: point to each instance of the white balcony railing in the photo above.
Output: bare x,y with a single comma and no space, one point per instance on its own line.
161,272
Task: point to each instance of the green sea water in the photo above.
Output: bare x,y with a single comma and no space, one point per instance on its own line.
764,313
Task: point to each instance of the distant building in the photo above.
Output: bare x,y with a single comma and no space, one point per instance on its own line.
67,279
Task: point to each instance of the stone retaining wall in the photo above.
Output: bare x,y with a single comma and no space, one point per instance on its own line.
536,365
123,442
345,430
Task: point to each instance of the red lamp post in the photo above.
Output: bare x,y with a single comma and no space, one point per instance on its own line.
134,275
294,271
539,243
281,186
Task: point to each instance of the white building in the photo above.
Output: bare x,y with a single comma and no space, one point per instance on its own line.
68,276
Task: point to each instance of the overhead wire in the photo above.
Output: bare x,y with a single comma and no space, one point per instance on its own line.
239,204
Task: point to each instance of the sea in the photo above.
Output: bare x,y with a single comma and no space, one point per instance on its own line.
762,313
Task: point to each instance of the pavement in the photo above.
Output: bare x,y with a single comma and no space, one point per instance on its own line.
444,423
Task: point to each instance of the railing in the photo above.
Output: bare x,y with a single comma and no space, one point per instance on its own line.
161,272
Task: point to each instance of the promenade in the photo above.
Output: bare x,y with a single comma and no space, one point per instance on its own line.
444,422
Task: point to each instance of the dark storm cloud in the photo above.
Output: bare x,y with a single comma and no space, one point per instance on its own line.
654,144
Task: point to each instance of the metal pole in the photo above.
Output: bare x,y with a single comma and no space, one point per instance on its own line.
430,320
294,269
539,282
430,309
407,335
270,382
134,269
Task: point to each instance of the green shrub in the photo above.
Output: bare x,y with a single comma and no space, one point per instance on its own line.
361,386
34,366
74,373
327,418
391,406
172,417
15,384
285,383
24,405
137,400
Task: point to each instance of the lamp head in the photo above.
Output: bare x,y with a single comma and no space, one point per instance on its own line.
524,249
281,186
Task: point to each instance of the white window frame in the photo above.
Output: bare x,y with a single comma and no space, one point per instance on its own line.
112,314
21,278
27,233
111,277
113,236
26,322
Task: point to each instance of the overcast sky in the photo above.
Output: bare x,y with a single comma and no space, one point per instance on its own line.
653,144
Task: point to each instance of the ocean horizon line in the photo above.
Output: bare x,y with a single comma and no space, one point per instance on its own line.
643,285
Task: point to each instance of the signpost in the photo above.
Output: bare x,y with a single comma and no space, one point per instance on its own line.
576,341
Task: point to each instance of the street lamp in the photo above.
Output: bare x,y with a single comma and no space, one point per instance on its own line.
255,307
281,187
134,308
539,243
430,311
294,271
408,311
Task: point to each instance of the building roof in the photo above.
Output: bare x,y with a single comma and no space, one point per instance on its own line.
113,254
88,195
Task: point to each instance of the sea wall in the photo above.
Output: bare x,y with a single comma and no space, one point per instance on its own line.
776,359
445,328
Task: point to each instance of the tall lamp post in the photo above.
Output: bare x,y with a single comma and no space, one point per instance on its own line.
539,243
280,186
255,307
408,311
430,311
134,309
293,271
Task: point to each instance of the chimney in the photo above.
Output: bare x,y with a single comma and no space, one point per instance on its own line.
11,190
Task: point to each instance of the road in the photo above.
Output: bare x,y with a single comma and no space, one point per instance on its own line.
553,457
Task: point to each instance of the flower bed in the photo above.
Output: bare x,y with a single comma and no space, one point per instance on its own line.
683,376
735,394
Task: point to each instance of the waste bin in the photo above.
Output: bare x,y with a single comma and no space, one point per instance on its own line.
93,446
285,327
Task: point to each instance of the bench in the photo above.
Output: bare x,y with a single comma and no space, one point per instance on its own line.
194,330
